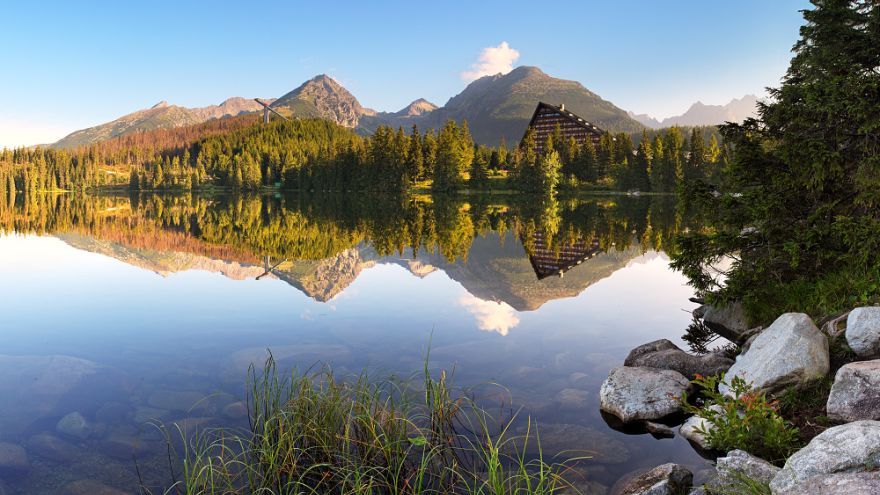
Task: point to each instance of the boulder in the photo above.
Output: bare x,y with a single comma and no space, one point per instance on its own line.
50,447
838,484
728,321
642,393
13,461
738,461
74,425
863,331
667,479
665,355
848,448
855,394
790,352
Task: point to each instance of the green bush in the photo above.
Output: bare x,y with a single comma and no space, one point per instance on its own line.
748,421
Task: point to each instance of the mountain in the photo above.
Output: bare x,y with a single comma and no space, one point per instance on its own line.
159,116
494,106
322,97
502,105
699,113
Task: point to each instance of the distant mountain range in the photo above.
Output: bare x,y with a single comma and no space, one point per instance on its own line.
159,116
701,114
495,107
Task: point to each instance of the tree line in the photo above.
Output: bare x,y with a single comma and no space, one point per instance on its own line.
316,155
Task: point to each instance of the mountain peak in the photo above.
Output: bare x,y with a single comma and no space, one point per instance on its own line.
418,107
323,97
161,104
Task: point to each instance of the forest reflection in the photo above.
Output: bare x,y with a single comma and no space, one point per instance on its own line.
555,234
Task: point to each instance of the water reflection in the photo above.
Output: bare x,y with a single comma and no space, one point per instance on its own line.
123,309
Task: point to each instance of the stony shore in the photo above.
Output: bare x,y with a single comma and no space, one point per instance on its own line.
790,354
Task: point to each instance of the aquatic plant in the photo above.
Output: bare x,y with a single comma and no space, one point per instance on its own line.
312,433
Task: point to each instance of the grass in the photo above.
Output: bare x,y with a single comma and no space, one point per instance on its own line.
315,434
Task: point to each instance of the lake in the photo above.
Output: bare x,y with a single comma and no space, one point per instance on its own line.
119,311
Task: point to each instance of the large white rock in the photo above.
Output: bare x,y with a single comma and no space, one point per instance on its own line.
791,351
863,331
838,484
855,394
642,393
853,447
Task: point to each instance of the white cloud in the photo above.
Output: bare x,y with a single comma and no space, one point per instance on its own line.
491,316
493,60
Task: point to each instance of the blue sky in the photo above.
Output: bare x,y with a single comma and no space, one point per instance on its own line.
70,65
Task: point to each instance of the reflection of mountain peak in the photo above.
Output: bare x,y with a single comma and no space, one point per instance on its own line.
325,279
498,269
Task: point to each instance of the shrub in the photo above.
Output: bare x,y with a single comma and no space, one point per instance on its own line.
748,421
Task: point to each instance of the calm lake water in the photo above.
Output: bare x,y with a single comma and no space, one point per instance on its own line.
122,310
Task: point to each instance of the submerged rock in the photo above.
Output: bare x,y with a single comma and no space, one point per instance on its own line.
642,393
853,447
55,385
838,484
665,355
728,321
863,331
90,487
667,479
50,447
175,400
124,447
577,440
74,425
855,394
13,461
236,410
790,352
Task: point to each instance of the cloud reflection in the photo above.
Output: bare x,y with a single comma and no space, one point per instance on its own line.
491,316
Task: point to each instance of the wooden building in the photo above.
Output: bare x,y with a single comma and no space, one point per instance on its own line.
554,261
548,117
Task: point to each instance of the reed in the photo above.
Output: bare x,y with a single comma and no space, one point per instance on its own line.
312,433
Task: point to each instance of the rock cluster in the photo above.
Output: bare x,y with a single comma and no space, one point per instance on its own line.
789,353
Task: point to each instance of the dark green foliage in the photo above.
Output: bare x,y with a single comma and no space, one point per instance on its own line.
748,421
798,208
